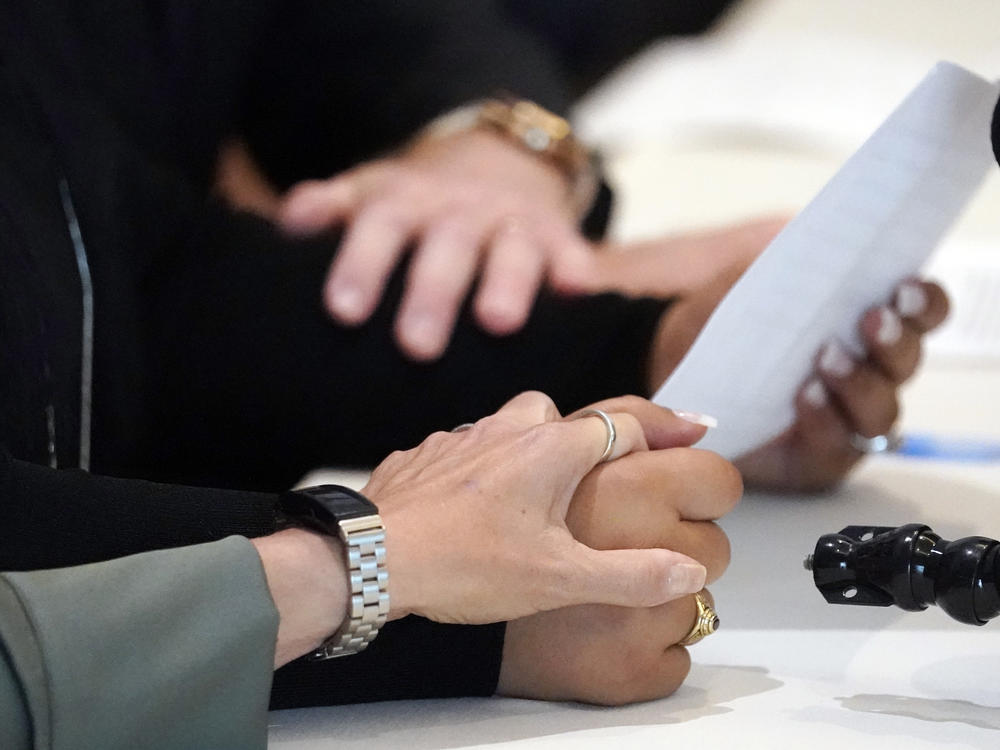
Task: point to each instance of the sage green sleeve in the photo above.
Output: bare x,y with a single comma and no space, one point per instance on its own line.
162,650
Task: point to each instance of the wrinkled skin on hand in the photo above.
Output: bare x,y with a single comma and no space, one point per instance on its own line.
476,521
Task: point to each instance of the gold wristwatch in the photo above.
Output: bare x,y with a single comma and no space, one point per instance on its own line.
537,130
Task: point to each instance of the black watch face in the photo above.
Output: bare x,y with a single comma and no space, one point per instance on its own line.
342,503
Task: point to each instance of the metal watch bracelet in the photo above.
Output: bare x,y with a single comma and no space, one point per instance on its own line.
364,545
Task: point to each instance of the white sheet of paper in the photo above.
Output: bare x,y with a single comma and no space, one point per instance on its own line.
873,224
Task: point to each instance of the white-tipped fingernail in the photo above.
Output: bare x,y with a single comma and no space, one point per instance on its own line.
695,418
815,394
911,299
686,578
890,327
835,360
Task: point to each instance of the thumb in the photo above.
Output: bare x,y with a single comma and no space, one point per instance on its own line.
633,577
663,427
572,265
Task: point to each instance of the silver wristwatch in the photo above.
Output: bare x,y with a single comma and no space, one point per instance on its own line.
342,512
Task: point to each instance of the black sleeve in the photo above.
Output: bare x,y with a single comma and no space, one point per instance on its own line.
271,387
337,83
55,519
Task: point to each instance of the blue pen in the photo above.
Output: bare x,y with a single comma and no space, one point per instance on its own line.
923,445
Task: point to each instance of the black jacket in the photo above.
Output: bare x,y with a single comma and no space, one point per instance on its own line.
146,331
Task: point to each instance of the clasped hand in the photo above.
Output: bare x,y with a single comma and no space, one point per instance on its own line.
515,520
477,520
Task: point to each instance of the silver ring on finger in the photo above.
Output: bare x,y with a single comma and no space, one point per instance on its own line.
609,425
886,443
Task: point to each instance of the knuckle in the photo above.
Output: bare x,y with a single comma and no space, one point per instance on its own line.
638,675
721,553
732,484
539,400
725,477
460,233
679,667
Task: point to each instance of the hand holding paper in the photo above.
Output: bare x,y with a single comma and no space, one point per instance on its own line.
872,226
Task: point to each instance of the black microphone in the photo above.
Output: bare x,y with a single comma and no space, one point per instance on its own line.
911,567
996,132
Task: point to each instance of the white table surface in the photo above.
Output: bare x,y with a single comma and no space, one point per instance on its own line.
786,670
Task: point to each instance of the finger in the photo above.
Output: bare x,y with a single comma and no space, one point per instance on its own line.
597,654
594,434
867,397
510,280
577,446
443,267
572,267
893,347
659,677
529,408
922,304
628,578
636,528
697,485
703,541
367,255
823,435
649,676
316,205
663,427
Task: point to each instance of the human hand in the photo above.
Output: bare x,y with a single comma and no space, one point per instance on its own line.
666,497
849,395
476,520
474,206
476,527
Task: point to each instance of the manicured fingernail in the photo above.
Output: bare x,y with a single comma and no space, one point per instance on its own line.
695,418
815,394
686,578
890,327
911,299
347,303
835,360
